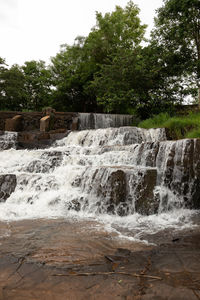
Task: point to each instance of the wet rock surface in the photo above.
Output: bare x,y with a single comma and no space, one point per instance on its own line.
8,184
178,163
56,259
125,170
146,203
31,120
121,190
39,140
47,162
8,141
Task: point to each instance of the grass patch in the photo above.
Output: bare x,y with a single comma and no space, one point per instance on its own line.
178,127
156,122
193,134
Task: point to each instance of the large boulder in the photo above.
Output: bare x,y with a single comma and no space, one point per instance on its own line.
8,184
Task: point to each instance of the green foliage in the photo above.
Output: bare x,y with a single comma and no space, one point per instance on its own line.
72,72
111,70
12,92
120,29
37,84
156,121
119,35
24,88
177,34
179,126
92,68
193,134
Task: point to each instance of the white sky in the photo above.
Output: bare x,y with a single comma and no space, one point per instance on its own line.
35,29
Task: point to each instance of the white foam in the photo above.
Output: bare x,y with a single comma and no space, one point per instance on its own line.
49,184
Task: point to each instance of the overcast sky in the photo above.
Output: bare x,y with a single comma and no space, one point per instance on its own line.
35,29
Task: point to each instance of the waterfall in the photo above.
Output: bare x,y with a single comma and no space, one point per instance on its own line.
122,173
96,121
112,136
8,140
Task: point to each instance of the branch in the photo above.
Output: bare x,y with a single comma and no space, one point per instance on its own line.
110,273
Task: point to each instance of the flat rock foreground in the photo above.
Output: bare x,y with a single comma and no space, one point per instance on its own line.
59,259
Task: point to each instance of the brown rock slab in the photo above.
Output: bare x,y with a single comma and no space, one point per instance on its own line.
14,124
54,259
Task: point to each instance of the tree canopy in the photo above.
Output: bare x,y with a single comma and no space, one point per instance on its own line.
177,32
115,69
37,84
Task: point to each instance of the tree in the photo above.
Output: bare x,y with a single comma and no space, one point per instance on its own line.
76,67
12,92
37,84
177,33
72,72
136,82
115,44
114,31
2,64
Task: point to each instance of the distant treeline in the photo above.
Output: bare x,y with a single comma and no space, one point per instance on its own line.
115,69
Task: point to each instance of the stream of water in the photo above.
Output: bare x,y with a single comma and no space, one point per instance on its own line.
102,175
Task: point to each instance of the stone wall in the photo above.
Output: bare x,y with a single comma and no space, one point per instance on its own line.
31,120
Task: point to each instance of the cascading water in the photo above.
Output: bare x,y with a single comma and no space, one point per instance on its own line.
131,180
96,121
8,140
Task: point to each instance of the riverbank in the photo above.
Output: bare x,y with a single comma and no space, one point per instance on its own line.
179,126
59,259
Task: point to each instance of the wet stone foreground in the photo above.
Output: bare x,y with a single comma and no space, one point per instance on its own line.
59,259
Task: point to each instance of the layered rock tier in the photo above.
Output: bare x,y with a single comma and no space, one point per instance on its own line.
119,171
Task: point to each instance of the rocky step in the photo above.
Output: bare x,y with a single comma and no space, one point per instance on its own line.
118,190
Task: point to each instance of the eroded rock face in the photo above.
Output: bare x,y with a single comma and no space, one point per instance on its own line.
178,164
47,163
166,175
8,184
115,170
120,190
146,202
118,187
